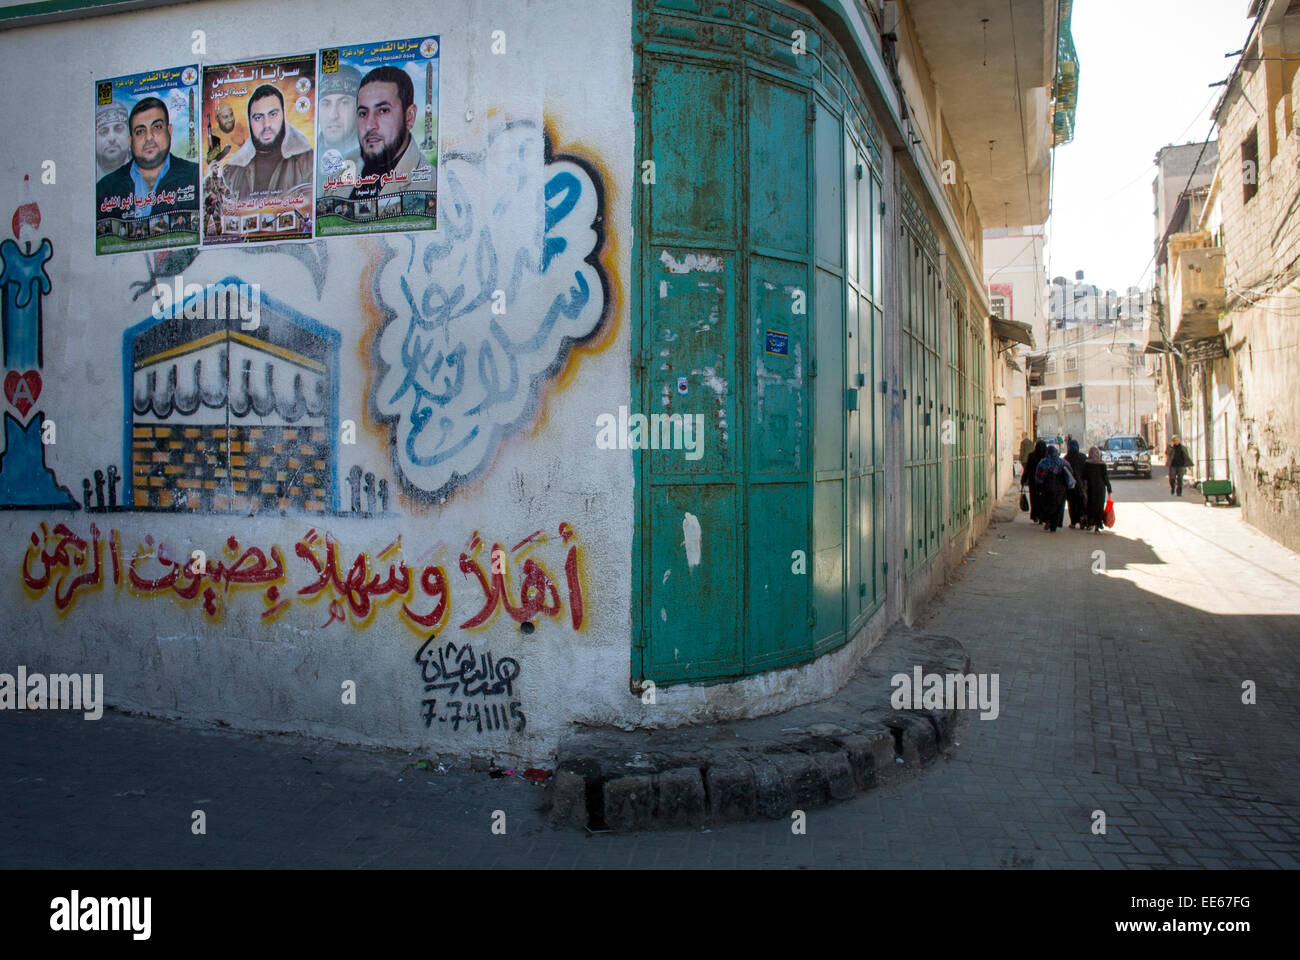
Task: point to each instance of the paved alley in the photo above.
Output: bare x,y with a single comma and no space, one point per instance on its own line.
1121,691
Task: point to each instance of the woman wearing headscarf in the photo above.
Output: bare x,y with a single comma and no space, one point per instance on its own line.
1096,480
1077,497
1030,479
1054,479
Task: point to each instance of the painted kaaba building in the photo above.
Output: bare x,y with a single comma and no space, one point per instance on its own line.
231,405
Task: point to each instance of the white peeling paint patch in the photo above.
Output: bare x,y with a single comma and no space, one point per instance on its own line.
667,574
709,376
712,320
663,289
667,400
691,534
764,379
690,262
663,614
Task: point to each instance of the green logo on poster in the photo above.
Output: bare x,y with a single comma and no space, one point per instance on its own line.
103,93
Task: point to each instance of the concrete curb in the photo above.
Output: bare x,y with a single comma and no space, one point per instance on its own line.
808,757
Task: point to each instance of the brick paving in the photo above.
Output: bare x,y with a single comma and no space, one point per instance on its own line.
1120,692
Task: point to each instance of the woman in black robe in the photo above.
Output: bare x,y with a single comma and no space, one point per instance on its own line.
1030,481
1097,481
1054,479
1077,498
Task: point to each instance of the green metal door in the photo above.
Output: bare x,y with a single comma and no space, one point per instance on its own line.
692,614
919,282
725,549
776,422
756,284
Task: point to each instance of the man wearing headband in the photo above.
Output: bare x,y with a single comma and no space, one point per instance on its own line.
111,139
336,108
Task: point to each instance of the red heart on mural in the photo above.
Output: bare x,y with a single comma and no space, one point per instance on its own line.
22,389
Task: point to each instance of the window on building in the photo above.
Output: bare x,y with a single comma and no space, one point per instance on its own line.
1074,393
1250,166
1051,364
998,304
1071,361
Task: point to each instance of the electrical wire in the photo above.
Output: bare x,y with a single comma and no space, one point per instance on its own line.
1010,264
1164,330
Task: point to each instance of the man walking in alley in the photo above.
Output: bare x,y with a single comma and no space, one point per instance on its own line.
1026,448
1178,460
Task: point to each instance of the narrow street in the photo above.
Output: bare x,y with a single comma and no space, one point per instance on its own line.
1120,692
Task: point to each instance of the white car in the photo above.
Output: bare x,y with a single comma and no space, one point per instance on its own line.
1127,451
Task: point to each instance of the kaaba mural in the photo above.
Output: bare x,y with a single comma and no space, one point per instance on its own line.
231,406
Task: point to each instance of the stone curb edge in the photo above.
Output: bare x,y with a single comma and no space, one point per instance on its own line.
601,787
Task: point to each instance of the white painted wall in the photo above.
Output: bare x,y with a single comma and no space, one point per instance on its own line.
160,654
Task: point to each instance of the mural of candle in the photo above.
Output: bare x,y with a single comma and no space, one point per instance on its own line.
26,483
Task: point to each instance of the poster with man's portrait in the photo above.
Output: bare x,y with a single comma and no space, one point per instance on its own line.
377,141
146,153
259,157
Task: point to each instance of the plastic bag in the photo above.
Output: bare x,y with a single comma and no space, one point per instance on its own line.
1109,515
1024,501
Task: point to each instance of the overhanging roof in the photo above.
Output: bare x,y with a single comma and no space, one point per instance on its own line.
1013,330
977,52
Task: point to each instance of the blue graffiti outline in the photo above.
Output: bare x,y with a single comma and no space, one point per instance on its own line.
593,259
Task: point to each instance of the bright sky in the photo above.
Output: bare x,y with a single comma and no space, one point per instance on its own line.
1144,72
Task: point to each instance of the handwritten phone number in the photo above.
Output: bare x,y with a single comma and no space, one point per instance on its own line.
490,716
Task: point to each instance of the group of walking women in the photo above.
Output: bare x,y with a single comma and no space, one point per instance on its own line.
1053,482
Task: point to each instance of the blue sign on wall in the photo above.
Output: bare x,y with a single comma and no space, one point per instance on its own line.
778,343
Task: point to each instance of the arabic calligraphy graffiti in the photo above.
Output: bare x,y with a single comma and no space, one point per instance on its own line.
455,671
66,562
463,366
70,564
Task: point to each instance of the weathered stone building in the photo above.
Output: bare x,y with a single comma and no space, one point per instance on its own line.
1230,314
1183,176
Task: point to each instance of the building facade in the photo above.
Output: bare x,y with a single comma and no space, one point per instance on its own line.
1228,318
1090,381
1182,182
688,396
1015,276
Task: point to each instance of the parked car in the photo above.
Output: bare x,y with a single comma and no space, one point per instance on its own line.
1127,451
